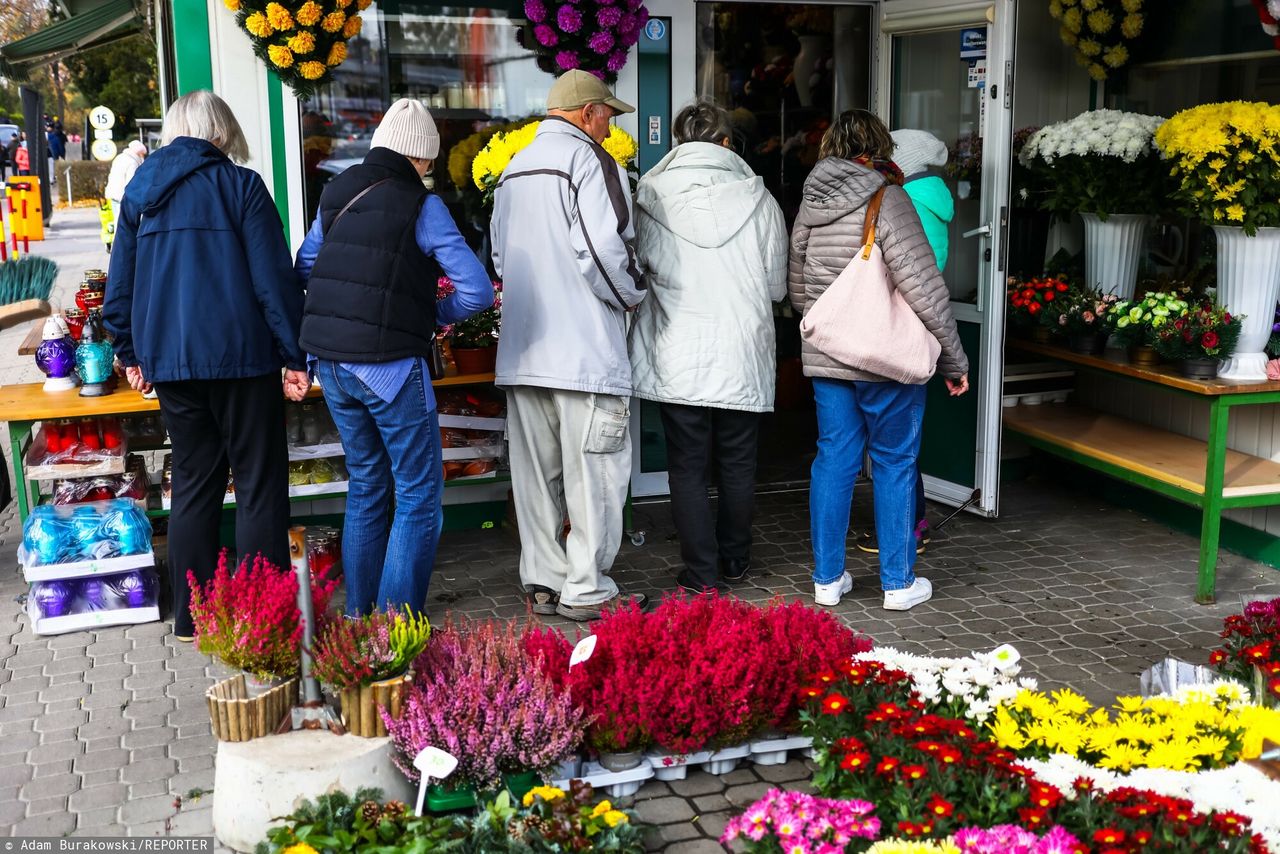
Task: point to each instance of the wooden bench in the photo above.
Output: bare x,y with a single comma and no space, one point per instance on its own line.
1204,474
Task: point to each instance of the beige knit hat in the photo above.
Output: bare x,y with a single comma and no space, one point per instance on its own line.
407,128
916,150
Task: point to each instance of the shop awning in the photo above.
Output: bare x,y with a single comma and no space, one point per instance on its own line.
100,25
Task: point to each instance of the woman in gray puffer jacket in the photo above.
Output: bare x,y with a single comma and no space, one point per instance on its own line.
858,411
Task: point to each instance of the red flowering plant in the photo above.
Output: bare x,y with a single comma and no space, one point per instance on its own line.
1205,331
1250,651
1031,302
610,685
250,620
480,329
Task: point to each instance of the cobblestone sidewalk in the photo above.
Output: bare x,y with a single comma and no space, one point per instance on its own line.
107,732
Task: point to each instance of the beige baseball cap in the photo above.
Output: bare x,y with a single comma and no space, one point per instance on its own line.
577,88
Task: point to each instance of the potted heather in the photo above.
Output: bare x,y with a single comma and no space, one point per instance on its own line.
475,696
367,661
250,620
1081,316
1198,340
474,341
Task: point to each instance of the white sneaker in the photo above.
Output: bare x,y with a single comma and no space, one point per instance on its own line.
829,594
905,600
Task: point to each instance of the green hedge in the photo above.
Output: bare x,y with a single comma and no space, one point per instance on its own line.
88,178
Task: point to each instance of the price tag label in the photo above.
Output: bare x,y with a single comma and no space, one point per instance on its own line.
435,763
101,118
583,650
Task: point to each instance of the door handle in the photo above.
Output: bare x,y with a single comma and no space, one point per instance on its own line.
984,230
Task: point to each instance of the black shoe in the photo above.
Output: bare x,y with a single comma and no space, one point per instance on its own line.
734,571
587,613
869,544
543,600
689,584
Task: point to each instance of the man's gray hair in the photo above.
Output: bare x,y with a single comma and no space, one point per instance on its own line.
702,121
203,115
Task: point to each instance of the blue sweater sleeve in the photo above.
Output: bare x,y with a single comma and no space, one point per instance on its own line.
438,237
308,252
117,307
274,283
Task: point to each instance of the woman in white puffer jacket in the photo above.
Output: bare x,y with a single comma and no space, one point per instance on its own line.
713,244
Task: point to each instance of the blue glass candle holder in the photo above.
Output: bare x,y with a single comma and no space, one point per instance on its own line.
94,358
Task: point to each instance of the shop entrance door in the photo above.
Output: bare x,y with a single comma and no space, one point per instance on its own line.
946,66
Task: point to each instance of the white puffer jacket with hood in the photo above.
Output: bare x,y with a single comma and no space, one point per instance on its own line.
713,244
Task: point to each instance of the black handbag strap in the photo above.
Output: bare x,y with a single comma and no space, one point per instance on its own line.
357,197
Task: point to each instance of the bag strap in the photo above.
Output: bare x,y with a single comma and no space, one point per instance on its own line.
358,196
869,222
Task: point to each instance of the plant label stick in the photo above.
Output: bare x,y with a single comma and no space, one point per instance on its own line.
582,651
433,764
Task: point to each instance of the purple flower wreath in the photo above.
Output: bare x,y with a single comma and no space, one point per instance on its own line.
594,35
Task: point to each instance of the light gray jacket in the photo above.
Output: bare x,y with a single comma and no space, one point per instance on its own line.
713,245
827,233
562,245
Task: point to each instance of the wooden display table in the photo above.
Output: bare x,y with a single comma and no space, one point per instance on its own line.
1204,474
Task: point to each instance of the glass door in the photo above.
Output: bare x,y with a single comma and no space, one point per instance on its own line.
947,68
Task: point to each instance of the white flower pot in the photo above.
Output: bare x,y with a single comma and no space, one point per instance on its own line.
1112,250
1248,284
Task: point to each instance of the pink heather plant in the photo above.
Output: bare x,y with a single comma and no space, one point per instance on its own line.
250,620
1012,839
798,823
476,696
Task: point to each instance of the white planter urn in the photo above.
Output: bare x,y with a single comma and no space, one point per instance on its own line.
1112,250
1248,285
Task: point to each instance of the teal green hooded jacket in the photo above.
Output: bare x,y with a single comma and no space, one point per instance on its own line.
932,198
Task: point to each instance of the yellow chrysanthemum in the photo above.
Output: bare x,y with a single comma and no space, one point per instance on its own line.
1090,5
1068,38
299,848
363,4
1101,21
1097,71
546,793
258,25
279,17
337,54
1089,47
620,145
1055,9
302,43
1116,56
1071,703
351,28
613,818
601,808
333,22
1131,26
489,164
280,56
1131,6
310,13
233,5
312,70
1235,213
1073,20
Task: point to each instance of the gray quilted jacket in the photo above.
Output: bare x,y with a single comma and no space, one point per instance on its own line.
828,232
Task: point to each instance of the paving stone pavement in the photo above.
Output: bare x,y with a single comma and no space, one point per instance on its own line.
106,732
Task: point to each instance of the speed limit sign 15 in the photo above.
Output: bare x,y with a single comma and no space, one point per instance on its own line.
101,118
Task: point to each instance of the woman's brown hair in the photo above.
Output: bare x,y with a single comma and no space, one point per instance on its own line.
857,133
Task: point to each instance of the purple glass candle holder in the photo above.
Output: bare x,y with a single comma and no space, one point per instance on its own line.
94,594
132,587
56,357
53,598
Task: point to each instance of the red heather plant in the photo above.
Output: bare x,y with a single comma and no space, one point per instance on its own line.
476,696
611,684
249,620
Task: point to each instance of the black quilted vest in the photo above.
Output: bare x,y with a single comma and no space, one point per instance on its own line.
372,292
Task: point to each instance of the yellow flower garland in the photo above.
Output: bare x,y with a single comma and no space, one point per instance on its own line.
333,22
310,13
279,17
1090,26
312,70
300,39
302,43
337,54
281,56
352,27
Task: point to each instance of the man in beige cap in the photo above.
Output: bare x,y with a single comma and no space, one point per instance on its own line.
370,263
562,244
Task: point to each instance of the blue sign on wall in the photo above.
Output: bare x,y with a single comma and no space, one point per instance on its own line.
655,29
973,43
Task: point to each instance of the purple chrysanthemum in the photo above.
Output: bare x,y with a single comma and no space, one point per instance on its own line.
569,19
535,11
617,60
546,35
609,16
627,26
601,42
567,59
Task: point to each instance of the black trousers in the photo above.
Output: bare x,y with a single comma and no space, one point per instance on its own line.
703,443
216,425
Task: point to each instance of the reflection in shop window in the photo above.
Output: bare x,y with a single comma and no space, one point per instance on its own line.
462,61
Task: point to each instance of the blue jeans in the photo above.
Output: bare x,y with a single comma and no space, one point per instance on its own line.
391,448
884,419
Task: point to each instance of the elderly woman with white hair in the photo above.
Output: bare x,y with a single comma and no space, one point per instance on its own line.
203,304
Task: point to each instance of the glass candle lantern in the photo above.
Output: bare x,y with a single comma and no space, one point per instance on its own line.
56,357
94,358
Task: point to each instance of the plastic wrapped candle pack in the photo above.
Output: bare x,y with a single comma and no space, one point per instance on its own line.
53,598
105,529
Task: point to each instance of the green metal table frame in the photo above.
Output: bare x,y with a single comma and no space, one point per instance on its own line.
1212,502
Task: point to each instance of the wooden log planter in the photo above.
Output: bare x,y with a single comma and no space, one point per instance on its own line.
236,716
360,706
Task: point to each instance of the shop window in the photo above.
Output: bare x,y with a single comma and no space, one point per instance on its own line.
462,61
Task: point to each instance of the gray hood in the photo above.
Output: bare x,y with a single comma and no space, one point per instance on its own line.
701,193
836,188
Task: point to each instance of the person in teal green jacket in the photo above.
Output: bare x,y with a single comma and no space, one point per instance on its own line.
921,155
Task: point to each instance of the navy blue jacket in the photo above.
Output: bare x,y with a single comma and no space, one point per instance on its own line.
201,285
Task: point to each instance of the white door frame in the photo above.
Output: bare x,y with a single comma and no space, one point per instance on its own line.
900,17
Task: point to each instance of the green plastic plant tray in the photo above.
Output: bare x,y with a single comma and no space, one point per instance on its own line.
442,800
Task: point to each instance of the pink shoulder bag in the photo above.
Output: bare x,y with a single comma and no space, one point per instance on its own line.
861,319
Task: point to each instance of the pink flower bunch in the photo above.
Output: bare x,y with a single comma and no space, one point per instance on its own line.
594,35
250,620
475,696
802,824
1012,839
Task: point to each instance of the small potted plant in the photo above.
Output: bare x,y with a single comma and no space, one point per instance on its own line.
1081,316
550,819
1198,340
474,341
1031,304
1134,324
965,164
367,661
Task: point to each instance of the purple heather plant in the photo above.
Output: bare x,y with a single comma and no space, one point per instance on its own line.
477,696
